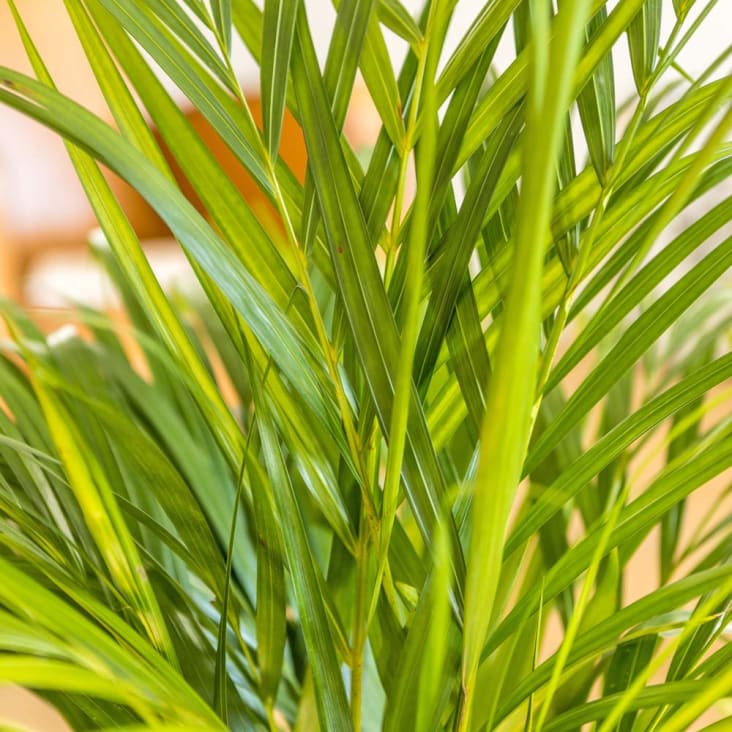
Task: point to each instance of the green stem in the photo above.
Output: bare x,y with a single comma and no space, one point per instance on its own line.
359,624
392,242
424,82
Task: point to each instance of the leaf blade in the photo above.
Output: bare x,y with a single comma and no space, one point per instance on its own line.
280,17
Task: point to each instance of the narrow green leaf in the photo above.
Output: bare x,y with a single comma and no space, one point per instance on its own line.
90,484
652,193
153,466
131,257
436,649
649,698
453,255
448,411
233,123
567,245
431,325
635,521
397,19
681,7
690,653
633,294
644,33
169,15
280,17
222,17
102,513
378,75
612,444
457,118
229,211
634,342
419,235
133,666
482,33
271,595
629,658
48,674
199,10
511,85
469,356
344,54
672,523
596,103
126,113
600,637
416,673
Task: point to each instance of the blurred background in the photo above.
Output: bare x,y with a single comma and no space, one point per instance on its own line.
46,222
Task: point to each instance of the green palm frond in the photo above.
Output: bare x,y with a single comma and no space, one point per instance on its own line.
395,439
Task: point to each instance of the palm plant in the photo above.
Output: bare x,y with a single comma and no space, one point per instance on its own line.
458,407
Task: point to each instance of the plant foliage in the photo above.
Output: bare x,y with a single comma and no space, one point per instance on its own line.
461,397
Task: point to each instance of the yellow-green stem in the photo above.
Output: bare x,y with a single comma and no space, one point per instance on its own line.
359,624
392,241
402,390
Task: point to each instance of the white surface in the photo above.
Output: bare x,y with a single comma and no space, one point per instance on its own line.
59,280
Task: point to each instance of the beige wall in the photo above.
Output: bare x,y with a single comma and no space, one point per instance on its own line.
26,711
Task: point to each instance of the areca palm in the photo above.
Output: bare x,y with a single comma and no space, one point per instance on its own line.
447,392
